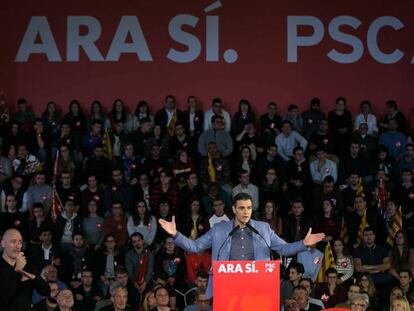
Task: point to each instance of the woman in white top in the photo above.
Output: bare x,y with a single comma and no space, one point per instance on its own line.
143,222
343,263
366,117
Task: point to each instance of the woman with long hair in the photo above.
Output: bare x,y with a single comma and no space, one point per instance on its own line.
106,261
143,222
270,215
141,112
246,161
182,167
76,119
120,113
366,284
270,188
343,263
401,255
328,222
51,119
149,303
193,222
400,304
96,113
158,138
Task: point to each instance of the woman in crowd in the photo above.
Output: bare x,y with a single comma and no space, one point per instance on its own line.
51,120
343,263
401,255
96,113
193,224
106,261
271,186
76,119
328,222
143,222
141,112
366,284
270,215
120,113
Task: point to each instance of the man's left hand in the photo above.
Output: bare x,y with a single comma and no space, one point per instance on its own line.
311,239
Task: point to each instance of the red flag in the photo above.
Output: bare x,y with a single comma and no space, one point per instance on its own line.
56,168
56,205
382,195
143,269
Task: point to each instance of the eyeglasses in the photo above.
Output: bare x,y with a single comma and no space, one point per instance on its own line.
358,305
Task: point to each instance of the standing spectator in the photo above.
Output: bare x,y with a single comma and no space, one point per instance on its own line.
168,116
76,119
270,123
217,135
193,117
217,110
142,112
242,117
120,113
392,113
340,124
166,190
92,192
294,117
312,117
23,116
366,117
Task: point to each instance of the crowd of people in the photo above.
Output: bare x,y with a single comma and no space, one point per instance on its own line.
84,191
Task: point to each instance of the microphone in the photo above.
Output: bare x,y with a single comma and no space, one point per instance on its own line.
248,225
233,231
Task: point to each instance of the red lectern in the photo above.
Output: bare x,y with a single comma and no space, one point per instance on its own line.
246,285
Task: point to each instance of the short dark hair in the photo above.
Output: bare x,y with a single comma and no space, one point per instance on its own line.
138,234
405,270
331,270
121,270
242,196
298,267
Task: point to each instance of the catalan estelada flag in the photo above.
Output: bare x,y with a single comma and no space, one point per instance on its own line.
327,262
395,227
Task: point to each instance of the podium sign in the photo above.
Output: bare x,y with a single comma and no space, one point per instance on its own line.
246,285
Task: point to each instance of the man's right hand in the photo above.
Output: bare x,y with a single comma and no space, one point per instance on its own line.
170,227
20,262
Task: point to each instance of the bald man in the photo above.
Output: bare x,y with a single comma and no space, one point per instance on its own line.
17,280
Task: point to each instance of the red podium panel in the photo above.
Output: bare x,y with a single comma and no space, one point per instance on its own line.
246,285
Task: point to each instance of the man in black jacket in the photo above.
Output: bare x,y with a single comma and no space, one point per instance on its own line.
17,279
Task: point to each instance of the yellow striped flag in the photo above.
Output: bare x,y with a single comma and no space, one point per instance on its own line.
361,228
344,232
171,126
360,189
211,169
107,145
327,262
395,227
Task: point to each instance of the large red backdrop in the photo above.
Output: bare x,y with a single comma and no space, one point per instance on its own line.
267,50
